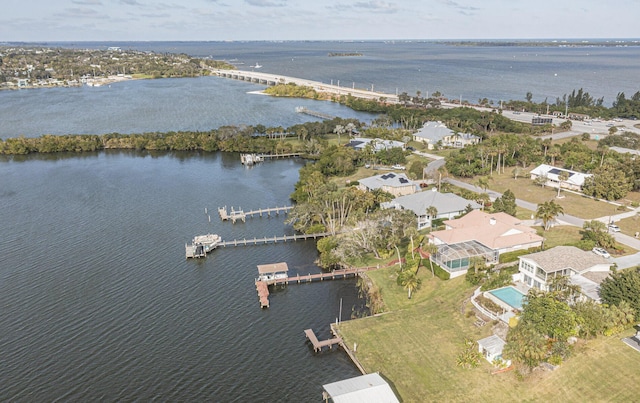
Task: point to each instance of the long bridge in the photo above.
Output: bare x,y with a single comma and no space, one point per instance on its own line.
273,79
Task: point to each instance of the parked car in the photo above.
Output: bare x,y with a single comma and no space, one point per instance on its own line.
614,228
400,167
601,252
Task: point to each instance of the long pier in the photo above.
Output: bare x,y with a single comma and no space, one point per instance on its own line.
262,286
275,239
309,112
235,215
273,79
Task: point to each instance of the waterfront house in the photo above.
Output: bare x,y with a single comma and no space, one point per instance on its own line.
538,269
483,235
438,134
395,183
447,205
574,180
359,143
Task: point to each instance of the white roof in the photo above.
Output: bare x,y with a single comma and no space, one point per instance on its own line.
492,344
370,388
360,143
391,179
435,131
445,203
552,173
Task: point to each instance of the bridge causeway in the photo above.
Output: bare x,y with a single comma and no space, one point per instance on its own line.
273,79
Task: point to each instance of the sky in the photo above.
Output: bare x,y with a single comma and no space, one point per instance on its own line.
221,20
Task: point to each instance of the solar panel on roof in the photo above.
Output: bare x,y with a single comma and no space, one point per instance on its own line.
403,180
557,171
391,175
385,177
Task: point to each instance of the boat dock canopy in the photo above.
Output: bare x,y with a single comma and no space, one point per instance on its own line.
366,388
273,268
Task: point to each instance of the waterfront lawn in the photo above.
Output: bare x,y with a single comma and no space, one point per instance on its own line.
415,347
573,204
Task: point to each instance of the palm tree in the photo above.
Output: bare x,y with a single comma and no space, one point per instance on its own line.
562,176
410,281
431,249
432,213
547,212
339,129
483,182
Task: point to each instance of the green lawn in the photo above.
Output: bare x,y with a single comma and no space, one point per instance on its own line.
415,346
525,189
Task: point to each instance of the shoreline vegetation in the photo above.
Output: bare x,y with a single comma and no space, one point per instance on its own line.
40,67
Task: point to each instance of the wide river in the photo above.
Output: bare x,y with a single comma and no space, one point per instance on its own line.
99,303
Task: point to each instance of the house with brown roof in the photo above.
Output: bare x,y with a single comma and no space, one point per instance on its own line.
538,269
480,234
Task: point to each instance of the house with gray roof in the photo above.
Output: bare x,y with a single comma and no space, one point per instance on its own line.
538,269
437,133
395,183
447,205
359,143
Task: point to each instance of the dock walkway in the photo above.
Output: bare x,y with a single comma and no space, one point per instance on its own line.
235,215
317,344
309,112
274,239
263,289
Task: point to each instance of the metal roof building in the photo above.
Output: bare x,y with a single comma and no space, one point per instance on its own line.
370,388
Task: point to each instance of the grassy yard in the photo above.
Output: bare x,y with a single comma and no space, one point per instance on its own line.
525,189
415,346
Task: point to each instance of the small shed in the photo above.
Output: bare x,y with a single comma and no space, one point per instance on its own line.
369,388
272,271
491,347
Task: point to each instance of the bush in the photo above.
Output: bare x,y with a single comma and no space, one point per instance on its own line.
509,257
496,280
441,273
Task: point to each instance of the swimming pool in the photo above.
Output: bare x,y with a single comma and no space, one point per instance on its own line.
509,295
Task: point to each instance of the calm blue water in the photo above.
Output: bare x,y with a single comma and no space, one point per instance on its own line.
510,296
99,303
497,73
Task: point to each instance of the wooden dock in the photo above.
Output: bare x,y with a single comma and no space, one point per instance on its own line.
275,239
263,289
235,215
317,344
252,159
302,109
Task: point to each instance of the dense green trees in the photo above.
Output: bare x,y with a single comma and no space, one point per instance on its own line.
506,203
623,286
608,182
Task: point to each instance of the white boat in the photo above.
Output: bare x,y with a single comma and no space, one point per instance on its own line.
256,66
201,245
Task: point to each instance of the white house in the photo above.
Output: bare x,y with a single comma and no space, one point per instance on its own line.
573,181
433,133
359,143
395,183
538,269
447,205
